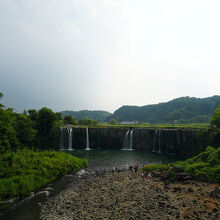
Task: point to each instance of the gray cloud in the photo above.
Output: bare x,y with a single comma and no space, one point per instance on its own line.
100,54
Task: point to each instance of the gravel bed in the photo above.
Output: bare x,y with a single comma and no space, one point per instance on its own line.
125,195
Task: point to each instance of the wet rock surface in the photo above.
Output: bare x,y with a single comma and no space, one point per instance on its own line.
125,195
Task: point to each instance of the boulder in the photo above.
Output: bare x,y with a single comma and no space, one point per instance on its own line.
178,169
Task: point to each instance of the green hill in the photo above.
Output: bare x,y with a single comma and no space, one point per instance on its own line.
93,115
180,110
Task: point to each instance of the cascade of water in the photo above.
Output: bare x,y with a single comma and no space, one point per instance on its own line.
155,140
128,141
159,142
125,143
131,140
70,138
61,139
87,139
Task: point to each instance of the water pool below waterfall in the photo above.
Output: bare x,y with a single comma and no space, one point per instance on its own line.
106,159
29,209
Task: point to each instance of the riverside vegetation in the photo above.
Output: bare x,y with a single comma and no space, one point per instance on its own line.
205,166
25,170
25,164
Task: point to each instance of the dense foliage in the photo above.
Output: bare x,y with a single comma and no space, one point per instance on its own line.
22,170
92,115
204,165
25,170
181,110
88,122
215,122
33,128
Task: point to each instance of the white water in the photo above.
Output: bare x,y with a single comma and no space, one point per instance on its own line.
159,143
131,140
70,139
128,141
87,139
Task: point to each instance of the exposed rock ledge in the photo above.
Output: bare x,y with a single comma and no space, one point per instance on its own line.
125,195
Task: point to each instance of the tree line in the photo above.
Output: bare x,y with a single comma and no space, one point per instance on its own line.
32,128
92,115
184,110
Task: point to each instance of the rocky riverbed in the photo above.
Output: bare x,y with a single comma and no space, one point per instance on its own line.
125,195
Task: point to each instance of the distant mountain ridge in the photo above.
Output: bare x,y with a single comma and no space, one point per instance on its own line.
180,110
93,115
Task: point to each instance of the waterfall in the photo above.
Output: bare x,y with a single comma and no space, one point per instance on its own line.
128,141
125,143
159,142
70,138
155,141
131,140
173,137
87,139
61,139
157,136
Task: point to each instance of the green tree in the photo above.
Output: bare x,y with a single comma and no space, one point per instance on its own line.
24,129
1,95
33,115
69,119
88,122
215,121
45,125
215,125
113,121
8,134
58,114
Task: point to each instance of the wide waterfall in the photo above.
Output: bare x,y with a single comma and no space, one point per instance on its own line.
159,140
87,139
128,141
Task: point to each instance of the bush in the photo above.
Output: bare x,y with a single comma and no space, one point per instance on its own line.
205,165
152,167
25,170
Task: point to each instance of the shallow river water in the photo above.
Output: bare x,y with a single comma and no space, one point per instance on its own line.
29,208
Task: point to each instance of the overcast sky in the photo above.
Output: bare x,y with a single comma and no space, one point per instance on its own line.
102,54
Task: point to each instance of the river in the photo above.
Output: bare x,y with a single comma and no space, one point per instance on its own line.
99,160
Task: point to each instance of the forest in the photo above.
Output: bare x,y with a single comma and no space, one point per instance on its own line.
92,115
25,162
33,128
184,110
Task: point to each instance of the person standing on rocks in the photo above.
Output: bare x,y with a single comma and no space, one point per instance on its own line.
148,176
136,168
142,174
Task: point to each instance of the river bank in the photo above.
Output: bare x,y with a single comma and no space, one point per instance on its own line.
125,195
25,171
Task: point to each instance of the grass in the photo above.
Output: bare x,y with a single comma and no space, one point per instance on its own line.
145,125
25,170
204,165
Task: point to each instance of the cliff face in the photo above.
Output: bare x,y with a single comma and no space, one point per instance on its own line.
180,141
